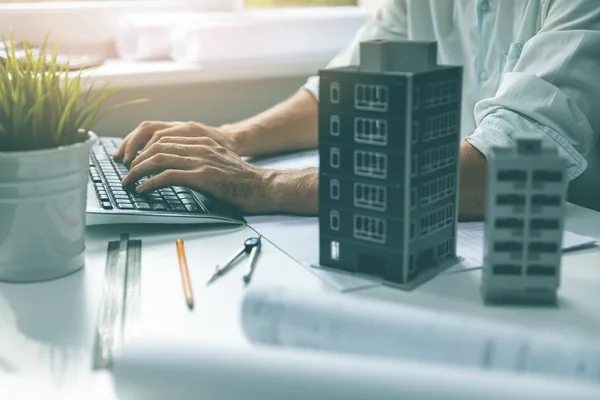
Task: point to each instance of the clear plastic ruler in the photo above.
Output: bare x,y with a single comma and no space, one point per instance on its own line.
119,308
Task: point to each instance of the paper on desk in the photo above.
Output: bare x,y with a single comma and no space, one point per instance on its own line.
152,370
341,323
470,243
299,160
299,237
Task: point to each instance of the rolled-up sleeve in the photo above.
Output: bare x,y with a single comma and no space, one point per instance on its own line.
554,88
388,22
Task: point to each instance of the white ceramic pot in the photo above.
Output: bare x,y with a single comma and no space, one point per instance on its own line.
43,197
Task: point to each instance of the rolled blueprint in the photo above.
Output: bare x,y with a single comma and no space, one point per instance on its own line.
266,34
154,369
145,37
339,323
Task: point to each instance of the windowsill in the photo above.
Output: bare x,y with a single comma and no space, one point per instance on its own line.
170,73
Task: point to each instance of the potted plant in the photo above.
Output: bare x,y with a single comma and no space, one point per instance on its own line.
46,117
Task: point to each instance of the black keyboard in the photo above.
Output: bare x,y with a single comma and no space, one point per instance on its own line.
106,176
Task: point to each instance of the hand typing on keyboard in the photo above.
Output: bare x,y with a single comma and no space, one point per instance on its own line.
149,133
208,159
202,164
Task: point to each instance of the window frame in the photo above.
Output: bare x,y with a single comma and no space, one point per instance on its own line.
94,20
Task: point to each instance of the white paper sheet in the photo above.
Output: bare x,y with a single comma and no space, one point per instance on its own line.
299,237
298,160
470,243
153,370
341,323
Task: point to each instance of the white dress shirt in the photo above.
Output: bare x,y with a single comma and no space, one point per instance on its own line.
529,65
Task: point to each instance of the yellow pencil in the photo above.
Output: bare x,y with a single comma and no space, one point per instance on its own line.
185,274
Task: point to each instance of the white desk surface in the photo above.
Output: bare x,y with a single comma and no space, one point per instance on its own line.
47,329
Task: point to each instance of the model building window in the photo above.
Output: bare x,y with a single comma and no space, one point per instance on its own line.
334,125
541,270
334,189
512,176
438,189
370,164
546,224
441,93
547,176
335,250
437,219
369,228
334,157
543,200
414,166
437,158
370,197
445,249
334,92
510,200
439,126
413,198
416,98
415,132
334,220
371,131
370,97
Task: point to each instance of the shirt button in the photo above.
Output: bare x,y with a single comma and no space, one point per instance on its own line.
483,75
485,6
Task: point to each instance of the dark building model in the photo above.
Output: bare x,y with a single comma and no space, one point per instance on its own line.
389,132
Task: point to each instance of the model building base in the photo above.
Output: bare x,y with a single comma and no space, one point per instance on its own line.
422,278
535,296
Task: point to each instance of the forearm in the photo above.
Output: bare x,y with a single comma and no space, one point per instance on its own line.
290,125
472,183
297,191
293,191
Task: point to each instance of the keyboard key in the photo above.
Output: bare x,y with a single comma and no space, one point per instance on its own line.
125,206
103,197
171,197
178,207
107,205
120,196
159,207
192,207
185,196
140,205
180,189
166,192
189,201
174,201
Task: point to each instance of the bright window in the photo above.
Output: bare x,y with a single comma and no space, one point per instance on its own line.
92,28
297,3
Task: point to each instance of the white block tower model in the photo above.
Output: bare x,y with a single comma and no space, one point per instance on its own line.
525,209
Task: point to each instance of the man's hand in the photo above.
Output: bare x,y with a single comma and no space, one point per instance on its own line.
149,133
473,168
202,164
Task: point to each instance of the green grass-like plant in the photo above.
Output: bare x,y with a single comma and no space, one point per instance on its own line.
41,105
